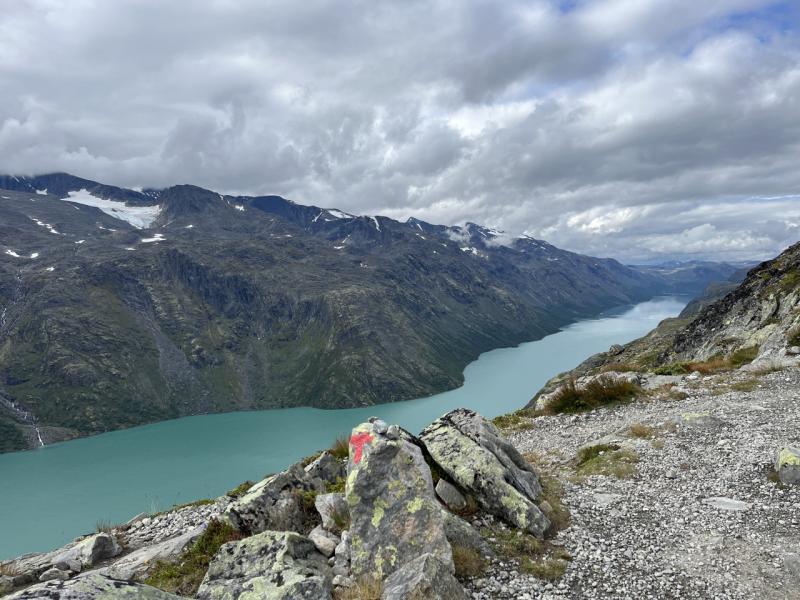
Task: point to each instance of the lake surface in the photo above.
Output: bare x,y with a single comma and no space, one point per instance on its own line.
51,495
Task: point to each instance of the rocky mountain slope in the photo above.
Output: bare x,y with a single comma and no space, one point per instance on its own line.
120,307
756,322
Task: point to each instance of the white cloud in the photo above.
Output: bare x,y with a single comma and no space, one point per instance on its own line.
622,127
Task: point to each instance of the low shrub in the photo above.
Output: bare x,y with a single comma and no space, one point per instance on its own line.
601,391
185,575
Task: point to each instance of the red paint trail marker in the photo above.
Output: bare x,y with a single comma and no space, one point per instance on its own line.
358,441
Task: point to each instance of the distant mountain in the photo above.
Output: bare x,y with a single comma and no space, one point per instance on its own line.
692,277
120,307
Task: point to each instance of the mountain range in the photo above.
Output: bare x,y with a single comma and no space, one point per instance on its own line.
120,307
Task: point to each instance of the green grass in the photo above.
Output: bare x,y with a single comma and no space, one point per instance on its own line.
513,421
744,356
794,336
602,391
186,574
606,459
240,490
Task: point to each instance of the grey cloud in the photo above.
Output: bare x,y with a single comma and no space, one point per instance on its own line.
631,129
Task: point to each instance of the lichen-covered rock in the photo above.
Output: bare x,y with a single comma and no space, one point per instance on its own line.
787,465
327,468
425,577
332,508
269,566
449,494
274,503
6,584
54,573
92,586
136,564
394,515
475,455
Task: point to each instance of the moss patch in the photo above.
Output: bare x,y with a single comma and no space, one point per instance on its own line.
240,490
606,459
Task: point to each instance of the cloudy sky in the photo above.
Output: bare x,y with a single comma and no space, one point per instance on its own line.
626,128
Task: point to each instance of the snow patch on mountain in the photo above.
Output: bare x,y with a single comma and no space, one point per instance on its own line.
140,217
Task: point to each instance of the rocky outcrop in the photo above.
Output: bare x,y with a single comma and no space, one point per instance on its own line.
136,564
424,577
65,562
92,587
269,566
275,503
394,515
475,456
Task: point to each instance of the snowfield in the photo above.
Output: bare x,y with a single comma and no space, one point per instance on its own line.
140,217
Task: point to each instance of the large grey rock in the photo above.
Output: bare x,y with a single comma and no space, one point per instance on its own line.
274,503
476,456
327,468
449,494
271,566
136,564
6,584
333,510
394,515
461,533
787,465
92,586
424,578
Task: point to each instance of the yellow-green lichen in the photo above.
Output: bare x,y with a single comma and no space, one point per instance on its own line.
414,505
379,511
786,457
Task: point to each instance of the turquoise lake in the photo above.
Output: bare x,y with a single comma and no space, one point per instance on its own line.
50,495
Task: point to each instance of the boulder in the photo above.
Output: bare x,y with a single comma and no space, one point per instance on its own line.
136,564
327,468
274,503
787,465
92,586
449,494
272,565
325,541
333,510
475,455
425,577
6,584
394,515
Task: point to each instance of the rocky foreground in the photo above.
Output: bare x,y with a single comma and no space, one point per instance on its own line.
689,491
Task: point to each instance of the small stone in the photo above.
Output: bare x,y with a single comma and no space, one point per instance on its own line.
449,494
341,581
787,465
325,541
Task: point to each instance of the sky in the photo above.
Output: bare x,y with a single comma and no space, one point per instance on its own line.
638,129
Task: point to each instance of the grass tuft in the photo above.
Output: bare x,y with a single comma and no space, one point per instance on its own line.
513,421
602,391
641,431
368,588
184,576
468,562
744,356
341,447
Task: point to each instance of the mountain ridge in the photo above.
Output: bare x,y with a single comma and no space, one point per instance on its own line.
116,314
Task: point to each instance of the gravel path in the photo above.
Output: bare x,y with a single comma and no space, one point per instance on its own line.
699,519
